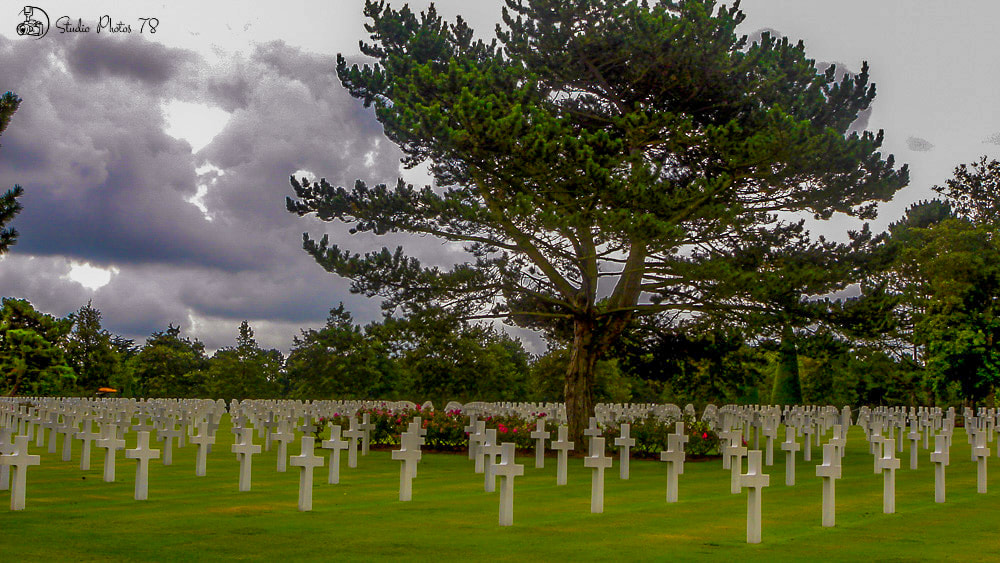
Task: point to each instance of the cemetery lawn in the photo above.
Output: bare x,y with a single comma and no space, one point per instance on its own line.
73,515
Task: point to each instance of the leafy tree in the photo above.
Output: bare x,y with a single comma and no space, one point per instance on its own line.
169,365
692,362
9,206
960,322
32,359
443,358
547,378
90,351
244,372
340,361
596,140
974,191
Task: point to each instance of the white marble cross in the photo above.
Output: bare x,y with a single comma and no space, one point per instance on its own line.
409,455
142,454
939,457
306,461
562,447
335,444
887,464
490,450
737,451
830,471
6,447
68,429
354,434
50,425
283,437
203,440
507,469
245,450
416,426
111,444
19,460
982,454
838,441
87,436
914,437
807,432
674,456
683,440
754,480
366,426
624,443
476,440
539,435
598,462
471,430
770,433
726,440
267,427
790,446
167,436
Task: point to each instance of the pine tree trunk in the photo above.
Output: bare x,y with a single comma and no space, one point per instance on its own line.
787,390
579,389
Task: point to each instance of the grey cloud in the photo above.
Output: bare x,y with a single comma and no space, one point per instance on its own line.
104,184
993,139
96,57
919,145
39,279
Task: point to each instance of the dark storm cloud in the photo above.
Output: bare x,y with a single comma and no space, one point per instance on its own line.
96,57
107,186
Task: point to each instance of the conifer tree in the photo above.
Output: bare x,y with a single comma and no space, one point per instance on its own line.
581,156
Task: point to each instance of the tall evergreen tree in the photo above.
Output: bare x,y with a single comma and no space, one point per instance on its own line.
169,365
594,141
246,371
90,350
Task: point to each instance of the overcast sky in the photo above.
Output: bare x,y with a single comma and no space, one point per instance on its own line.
155,165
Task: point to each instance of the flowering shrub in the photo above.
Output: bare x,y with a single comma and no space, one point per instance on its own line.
446,431
651,433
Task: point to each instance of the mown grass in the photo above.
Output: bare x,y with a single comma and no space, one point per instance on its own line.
74,515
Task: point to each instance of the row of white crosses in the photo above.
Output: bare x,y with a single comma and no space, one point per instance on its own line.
886,463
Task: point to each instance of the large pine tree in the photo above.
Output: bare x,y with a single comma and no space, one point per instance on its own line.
581,157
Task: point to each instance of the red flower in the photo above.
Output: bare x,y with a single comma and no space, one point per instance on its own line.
704,435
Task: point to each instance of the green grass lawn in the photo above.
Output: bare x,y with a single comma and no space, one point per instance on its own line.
72,515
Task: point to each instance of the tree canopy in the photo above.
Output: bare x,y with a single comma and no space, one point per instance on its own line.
584,153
